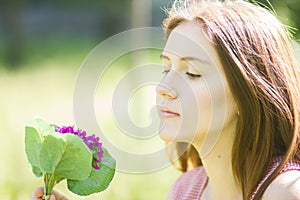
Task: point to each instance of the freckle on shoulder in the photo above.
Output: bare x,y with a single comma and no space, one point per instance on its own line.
286,186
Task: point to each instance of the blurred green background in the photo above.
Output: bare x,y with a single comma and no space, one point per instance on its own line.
42,45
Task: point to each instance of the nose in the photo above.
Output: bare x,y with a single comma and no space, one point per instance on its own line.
165,91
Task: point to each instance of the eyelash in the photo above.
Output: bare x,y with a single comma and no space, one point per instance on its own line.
192,76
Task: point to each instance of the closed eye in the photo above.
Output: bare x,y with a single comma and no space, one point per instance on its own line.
193,76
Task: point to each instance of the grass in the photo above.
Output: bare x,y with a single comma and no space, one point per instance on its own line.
45,88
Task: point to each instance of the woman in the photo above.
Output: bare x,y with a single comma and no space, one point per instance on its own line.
229,101
235,61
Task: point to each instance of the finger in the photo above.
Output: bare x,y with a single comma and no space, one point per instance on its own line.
57,196
39,192
33,197
52,197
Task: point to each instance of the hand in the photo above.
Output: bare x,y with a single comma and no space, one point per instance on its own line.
39,192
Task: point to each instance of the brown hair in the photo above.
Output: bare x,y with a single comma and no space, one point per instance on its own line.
257,57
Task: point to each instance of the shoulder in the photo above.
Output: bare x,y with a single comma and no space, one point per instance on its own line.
285,186
191,177
189,183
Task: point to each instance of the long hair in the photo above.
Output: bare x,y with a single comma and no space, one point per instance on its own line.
260,68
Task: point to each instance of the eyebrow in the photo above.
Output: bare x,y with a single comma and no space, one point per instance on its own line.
187,58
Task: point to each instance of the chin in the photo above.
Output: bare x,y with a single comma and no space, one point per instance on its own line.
167,137
171,137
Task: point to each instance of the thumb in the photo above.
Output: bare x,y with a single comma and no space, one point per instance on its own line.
52,197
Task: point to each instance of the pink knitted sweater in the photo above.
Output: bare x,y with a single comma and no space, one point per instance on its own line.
190,185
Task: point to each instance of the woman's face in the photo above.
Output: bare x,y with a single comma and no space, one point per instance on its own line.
194,100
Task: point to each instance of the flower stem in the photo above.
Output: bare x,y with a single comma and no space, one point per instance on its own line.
50,180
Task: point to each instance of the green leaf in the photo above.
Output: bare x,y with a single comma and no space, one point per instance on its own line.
34,132
32,149
41,126
98,180
37,171
65,155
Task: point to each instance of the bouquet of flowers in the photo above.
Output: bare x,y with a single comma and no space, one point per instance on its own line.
59,153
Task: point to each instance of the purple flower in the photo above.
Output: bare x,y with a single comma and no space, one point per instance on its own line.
91,141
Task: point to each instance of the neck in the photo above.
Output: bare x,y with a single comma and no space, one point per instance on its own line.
217,164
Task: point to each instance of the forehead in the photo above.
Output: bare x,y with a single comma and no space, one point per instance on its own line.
188,39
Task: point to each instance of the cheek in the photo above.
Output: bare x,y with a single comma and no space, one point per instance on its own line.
197,109
159,98
217,115
221,100
223,104
215,105
205,106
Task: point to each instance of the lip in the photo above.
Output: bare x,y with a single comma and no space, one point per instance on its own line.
167,113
